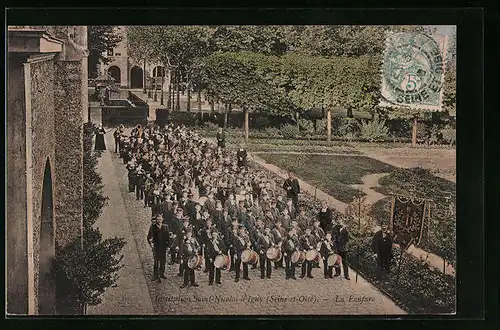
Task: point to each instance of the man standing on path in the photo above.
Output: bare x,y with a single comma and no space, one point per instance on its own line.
340,239
382,246
241,154
221,139
325,217
292,189
159,239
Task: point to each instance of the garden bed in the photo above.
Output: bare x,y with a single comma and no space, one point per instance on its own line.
439,234
332,174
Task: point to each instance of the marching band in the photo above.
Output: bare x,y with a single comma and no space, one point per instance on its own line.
241,218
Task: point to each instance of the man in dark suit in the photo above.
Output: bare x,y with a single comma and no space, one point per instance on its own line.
292,189
158,238
221,139
340,239
290,245
241,155
215,247
241,243
264,242
325,217
189,248
307,242
382,246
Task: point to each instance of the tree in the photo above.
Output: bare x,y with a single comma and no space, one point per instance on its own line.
100,39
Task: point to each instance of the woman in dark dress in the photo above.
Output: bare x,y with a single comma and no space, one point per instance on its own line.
99,138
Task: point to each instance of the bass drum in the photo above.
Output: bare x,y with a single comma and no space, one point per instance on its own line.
298,257
334,260
313,256
196,262
273,254
249,257
222,262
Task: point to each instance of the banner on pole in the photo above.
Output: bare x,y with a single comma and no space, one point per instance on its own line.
407,221
413,71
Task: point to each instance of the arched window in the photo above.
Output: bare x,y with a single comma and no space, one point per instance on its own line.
115,72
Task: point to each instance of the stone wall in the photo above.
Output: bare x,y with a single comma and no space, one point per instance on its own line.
17,258
43,144
69,152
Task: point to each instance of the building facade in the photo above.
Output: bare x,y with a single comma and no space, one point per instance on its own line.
47,102
126,71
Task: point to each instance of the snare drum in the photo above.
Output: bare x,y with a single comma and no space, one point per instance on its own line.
196,262
222,262
298,257
313,256
273,254
249,256
334,260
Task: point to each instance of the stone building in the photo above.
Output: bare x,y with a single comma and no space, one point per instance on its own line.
126,71
47,103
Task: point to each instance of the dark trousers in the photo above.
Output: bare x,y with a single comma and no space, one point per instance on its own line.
237,269
188,274
295,201
231,253
160,257
131,185
117,145
213,271
278,263
327,270
345,266
306,267
265,266
148,198
384,262
139,192
289,267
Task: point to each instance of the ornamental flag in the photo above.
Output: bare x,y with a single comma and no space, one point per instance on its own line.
407,220
413,71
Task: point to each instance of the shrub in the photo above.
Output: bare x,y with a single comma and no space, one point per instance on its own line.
350,128
306,127
374,131
273,132
289,131
433,135
449,135
261,122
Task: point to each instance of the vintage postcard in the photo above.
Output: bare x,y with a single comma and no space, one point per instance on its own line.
231,170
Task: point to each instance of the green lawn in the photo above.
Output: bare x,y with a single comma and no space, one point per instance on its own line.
332,174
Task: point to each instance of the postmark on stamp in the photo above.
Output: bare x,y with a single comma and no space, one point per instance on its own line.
413,70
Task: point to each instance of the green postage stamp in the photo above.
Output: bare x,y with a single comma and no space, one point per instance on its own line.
413,71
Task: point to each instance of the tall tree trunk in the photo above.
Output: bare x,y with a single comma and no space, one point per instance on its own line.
188,103
162,83
199,103
349,113
155,96
297,116
178,101
414,132
246,124
329,125
173,89
212,104
169,101
144,78
225,115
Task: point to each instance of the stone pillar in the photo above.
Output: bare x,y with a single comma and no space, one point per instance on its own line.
16,247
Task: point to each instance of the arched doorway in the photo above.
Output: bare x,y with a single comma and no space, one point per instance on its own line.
46,280
115,72
136,77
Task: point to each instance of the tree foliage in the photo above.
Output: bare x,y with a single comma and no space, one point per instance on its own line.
100,38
